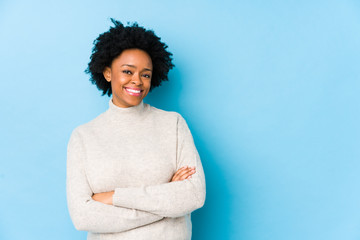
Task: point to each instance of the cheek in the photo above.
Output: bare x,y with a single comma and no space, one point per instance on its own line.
147,87
120,79
148,84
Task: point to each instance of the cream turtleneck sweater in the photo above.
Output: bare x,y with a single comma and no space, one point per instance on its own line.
134,151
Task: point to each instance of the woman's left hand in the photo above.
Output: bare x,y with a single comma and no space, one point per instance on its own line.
105,197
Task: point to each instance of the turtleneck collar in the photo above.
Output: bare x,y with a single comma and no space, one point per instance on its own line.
125,114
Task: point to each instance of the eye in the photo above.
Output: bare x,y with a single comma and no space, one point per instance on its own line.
146,75
127,72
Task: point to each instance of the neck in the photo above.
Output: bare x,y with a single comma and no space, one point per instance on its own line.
126,114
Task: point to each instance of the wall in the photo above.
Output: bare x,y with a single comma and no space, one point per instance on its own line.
270,90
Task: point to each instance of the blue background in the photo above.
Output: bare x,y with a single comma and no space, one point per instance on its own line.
270,90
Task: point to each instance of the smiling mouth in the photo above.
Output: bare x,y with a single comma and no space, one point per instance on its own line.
134,92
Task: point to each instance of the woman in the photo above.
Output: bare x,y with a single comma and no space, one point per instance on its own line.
133,172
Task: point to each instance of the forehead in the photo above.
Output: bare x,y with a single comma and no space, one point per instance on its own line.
135,57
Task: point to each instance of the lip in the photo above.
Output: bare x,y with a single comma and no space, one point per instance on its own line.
133,93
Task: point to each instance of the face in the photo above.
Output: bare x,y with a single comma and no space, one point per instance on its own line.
130,77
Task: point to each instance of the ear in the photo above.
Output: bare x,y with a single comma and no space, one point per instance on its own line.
107,74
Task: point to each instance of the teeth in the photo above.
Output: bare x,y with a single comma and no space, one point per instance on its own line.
132,90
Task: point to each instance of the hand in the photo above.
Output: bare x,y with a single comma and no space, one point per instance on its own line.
183,173
105,197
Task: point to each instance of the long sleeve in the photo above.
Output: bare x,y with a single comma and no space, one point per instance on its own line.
88,214
172,199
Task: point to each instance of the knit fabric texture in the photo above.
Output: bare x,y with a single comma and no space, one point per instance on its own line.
135,152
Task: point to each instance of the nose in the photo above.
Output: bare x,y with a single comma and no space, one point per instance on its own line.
136,79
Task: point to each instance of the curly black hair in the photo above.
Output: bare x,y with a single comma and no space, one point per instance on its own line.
112,43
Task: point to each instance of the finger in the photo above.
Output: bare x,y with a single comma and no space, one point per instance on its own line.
186,176
180,171
189,172
176,175
180,175
183,173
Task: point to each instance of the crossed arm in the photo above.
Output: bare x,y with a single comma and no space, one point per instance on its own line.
182,195
182,174
88,214
128,208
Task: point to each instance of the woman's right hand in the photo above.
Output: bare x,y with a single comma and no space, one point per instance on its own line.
183,173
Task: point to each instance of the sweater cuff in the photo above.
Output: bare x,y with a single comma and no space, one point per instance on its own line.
116,198
121,197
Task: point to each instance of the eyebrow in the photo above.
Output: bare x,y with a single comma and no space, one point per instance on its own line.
129,65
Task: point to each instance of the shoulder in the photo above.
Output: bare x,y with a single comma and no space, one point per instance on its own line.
170,118
166,115
89,126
